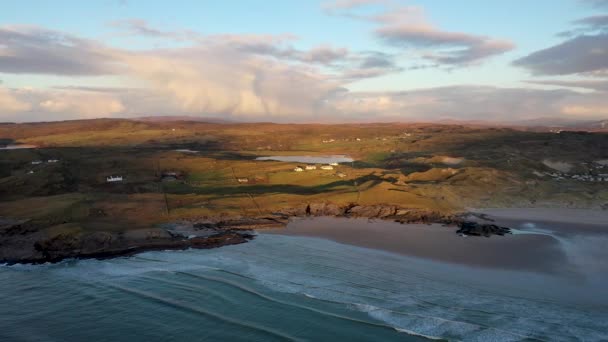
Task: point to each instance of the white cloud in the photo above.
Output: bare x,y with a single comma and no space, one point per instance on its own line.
262,77
408,27
11,104
84,104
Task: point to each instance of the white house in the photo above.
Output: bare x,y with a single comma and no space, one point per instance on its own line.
311,167
242,180
327,167
111,179
36,162
298,169
52,161
333,164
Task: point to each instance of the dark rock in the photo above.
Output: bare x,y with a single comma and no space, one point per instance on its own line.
479,229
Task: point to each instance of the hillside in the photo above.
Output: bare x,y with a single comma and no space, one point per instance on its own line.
189,170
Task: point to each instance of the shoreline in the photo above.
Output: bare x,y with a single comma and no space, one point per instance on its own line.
23,243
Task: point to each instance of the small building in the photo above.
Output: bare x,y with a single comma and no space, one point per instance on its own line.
242,180
311,167
333,164
36,162
327,167
341,174
298,169
112,179
52,161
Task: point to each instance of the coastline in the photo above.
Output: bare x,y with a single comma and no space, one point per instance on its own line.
414,232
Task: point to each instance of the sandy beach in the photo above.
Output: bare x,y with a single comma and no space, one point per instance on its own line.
578,216
522,252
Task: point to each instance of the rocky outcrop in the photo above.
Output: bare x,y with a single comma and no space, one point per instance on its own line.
480,229
55,244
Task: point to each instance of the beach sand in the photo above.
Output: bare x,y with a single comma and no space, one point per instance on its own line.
578,216
539,253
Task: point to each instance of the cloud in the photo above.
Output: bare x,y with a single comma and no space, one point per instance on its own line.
454,48
585,50
350,4
597,22
323,54
141,28
26,49
368,64
596,3
407,27
470,103
10,104
84,104
589,25
599,111
597,85
222,79
29,104
263,77
585,53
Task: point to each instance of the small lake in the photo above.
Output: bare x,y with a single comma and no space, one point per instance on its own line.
17,147
338,158
186,150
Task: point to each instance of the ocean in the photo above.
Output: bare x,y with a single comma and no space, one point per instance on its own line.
292,288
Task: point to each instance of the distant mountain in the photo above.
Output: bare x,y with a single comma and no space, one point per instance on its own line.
168,118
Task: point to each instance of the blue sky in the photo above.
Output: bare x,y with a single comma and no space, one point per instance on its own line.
361,59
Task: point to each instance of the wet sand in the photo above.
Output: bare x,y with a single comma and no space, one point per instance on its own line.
540,253
577,216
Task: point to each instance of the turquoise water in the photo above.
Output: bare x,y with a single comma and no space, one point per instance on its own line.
288,288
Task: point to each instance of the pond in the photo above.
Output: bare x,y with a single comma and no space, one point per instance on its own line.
338,158
16,147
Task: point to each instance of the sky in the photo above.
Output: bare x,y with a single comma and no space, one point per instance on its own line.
305,60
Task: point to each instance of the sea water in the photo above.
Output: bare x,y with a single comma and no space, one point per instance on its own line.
286,288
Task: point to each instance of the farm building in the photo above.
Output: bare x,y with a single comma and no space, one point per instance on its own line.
311,167
327,167
112,179
298,169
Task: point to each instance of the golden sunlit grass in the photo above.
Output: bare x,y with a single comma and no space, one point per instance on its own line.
432,167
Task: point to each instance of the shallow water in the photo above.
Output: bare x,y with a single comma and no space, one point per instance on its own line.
310,159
